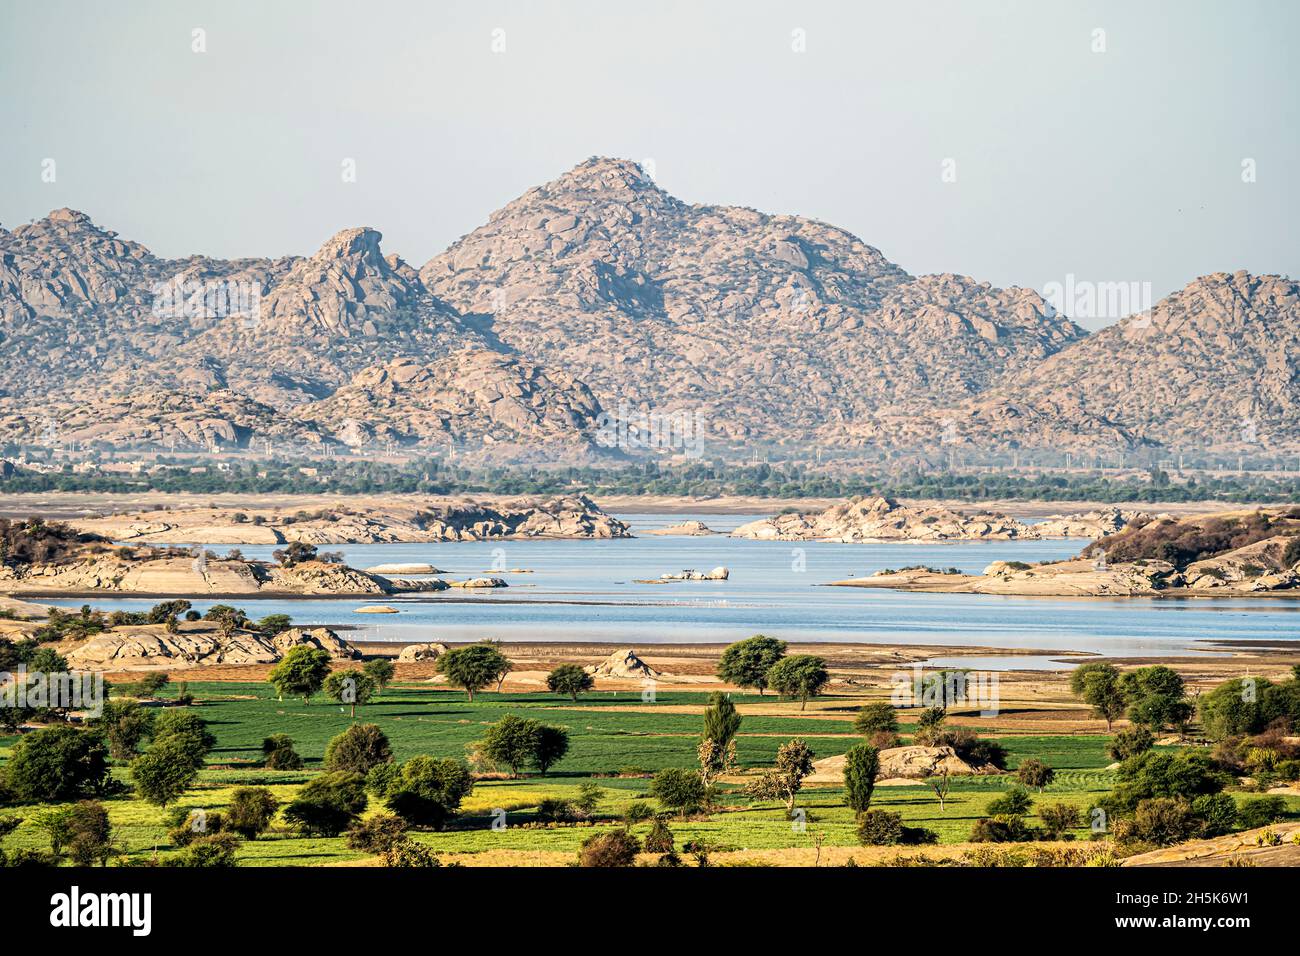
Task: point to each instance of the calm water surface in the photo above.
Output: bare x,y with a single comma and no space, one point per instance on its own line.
586,591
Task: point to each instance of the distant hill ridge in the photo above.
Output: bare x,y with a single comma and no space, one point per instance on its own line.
599,292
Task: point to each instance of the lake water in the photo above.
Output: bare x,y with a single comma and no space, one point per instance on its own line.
586,591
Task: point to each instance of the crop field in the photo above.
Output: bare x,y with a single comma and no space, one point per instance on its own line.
616,741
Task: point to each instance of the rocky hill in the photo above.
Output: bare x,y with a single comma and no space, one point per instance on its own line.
599,292
774,326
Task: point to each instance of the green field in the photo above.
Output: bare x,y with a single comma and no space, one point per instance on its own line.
604,741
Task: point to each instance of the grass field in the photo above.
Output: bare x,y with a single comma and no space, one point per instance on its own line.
610,733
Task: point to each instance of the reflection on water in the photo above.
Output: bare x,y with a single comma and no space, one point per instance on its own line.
584,591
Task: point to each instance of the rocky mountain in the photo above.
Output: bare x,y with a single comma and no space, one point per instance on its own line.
774,326
598,293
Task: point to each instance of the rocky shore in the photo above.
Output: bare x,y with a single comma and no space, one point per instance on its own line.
377,522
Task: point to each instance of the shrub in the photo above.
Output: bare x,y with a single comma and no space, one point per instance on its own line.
327,805
358,749
589,797
90,835
880,828
1186,773
1159,821
660,838
556,810
861,764
1261,811
615,848
376,834
405,853
928,725
875,718
278,753
1059,818
1002,828
217,850
251,811
637,811
1034,773
1015,802
191,825
1217,813
678,789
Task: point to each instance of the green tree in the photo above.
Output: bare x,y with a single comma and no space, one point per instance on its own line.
1032,772
1156,697
512,742
1187,773
301,672
861,764
186,731
929,726
427,791
56,764
278,753
472,668
1234,708
381,671
251,811
801,676
125,725
164,772
327,805
679,789
1098,685
615,848
357,750
1058,819
350,688
718,742
552,745
794,762
1130,742
569,680
89,834
877,717
747,662
273,624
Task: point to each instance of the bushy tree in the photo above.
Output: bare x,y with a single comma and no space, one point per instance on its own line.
883,828
615,848
473,668
300,673
861,764
56,764
380,670
1156,697
929,725
278,753
1058,819
427,791
717,750
1006,828
747,662
794,762
1098,685
1130,742
186,731
570,680
327,805
1160,821
125,725
1032,772
660,838
552,745
165,771
251,811
358,749
516,742
1015,802
376,834
799,676
1235,708
1188,774
90,834
679,789
1261,811
215,851
876,717
1217,813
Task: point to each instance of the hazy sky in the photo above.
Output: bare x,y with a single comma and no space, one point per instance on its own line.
1122,165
